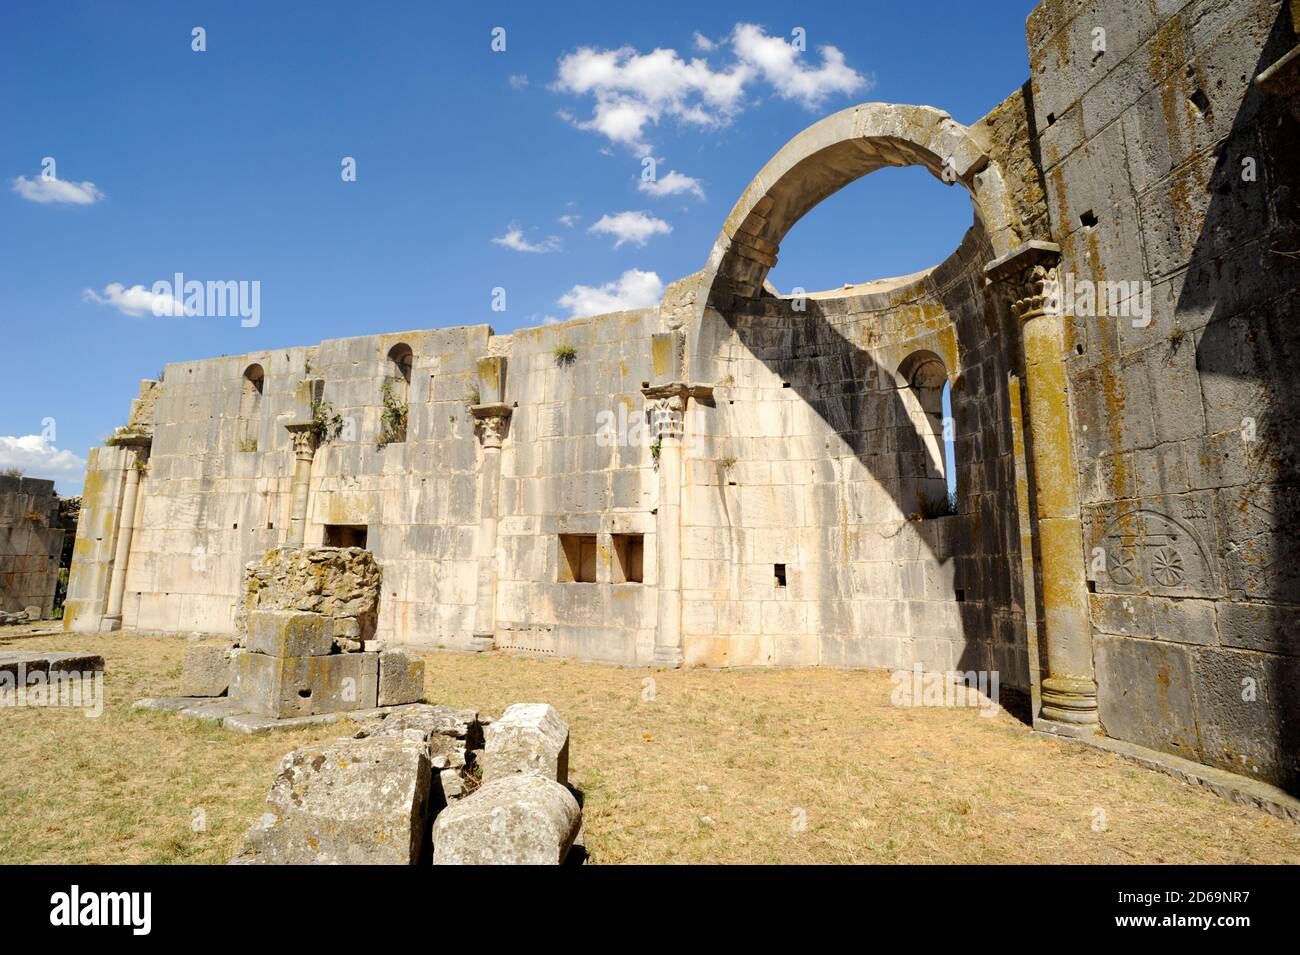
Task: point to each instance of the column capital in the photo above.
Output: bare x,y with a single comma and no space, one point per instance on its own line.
666,405
1028,276
490,421
304,440
139,441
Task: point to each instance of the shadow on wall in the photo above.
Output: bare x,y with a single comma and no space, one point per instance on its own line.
856,396
1242,284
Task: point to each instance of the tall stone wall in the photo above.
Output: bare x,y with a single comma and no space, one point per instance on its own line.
812,459
578,461
504,482
1166,163
31,540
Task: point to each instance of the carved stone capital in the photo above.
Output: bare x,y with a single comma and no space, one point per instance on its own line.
1028,277
304,440
141,441
666,406
491,422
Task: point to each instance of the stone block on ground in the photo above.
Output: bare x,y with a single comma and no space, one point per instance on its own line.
515,820
304,686
280,633
401,677
529,738
355,801
205,671
49,660
450,737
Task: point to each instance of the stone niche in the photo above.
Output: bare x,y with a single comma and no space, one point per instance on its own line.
341,583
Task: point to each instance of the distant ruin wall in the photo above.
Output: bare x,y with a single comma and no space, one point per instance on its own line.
31,540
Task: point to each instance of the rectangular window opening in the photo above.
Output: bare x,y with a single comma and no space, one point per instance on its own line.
345,535
629,558
778,571
578,558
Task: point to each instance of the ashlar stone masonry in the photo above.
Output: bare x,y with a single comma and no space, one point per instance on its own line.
745,478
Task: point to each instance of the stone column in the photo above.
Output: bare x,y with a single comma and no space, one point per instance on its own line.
491,421
139,454
304,449
1028,275
666,406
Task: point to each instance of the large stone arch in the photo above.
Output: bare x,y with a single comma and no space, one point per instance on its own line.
815,164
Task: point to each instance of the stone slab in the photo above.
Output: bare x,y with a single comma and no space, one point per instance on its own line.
401,677
529,738
45,661
305,686
356,801
205,671
290,634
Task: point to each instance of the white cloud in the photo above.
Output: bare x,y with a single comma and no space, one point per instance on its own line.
779,63
569,220
136,300
672,184
518,81
634,91
514,239
36,457
632,289
57,191
634,227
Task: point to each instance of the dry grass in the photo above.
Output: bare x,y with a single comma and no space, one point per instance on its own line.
717,767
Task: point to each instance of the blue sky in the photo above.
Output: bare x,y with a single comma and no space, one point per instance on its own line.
475,169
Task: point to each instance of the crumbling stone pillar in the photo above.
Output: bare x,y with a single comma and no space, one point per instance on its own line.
304,449
1028,276
139,444
491,421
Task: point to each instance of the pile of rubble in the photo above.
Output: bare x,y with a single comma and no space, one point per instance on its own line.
426,784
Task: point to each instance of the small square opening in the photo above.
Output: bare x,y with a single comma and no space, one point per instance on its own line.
629,558
578,558
345,535
778,574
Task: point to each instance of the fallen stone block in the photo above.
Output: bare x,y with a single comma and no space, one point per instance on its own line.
529,738
304,686
356,801
289,634
16,661
205,671
401,678
448,735
516,820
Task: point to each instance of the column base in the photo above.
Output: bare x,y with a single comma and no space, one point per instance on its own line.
1069,700
482,642
110,624
668,658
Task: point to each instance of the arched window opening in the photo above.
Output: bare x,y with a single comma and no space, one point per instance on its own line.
847,239
396,394
250,403
949,445
927,468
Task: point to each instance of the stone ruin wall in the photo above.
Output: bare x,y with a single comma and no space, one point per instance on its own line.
827,467
31,541
1129,160
1195,512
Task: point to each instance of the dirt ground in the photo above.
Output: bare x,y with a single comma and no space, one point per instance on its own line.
687,766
